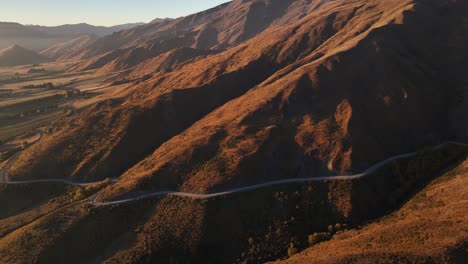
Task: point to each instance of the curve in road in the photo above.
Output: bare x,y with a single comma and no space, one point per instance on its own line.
368,171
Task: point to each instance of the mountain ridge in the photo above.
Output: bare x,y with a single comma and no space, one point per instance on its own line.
39,38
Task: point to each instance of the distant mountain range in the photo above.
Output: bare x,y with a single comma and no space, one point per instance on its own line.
39,38
83,28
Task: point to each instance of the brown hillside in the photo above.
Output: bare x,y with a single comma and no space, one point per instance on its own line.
65,50
218,28
57,225
16,55
334,91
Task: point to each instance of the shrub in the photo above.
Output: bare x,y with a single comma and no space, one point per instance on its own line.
36,70
338,227
318,237
292,250
78,195
24,145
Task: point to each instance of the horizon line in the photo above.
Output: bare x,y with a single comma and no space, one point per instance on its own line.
83,23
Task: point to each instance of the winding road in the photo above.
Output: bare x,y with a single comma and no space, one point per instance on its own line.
252,187
93,200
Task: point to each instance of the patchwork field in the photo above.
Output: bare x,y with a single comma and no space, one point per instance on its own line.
37,95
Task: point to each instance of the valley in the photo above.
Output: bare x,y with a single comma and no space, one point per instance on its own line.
30,100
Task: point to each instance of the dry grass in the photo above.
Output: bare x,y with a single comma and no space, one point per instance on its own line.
24,100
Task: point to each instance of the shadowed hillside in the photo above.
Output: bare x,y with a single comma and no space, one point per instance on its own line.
427,229
16,55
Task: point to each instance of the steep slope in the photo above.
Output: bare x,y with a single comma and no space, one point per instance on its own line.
213,80
430,228
168,62
64,50
60,226
311,121
335,91
16,55
218,28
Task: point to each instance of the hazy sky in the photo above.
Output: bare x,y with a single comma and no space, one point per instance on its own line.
97,12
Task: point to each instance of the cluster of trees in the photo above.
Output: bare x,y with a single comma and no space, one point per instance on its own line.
6,93
7,154
294,218
17,76
319,237
84,192
71,93
37,70
3,156
47,85
38,111
24,145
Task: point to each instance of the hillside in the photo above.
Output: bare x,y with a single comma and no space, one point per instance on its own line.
56,224
430,228
16,55
289,102
218,28
245,93
63,50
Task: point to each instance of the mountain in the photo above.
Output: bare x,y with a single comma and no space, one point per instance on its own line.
289,102
83,28
159,20
17,55
15,30
63,50
17,34
215,29
39,38
246,93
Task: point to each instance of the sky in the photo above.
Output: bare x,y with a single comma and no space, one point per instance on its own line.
97,12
